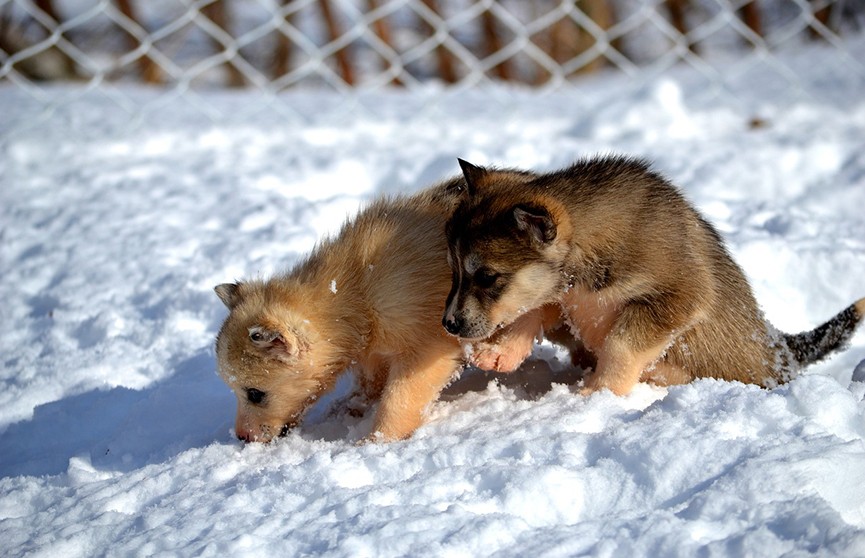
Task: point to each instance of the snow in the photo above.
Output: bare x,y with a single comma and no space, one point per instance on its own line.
116,434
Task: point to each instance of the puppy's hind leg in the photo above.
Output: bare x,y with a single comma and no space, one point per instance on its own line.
641,334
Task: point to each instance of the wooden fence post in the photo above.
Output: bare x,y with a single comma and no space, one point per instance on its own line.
282,53
345,69
750,14
445,59
382,31
147,68
493,44
216,13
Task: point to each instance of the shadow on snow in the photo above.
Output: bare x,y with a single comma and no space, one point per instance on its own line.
123,429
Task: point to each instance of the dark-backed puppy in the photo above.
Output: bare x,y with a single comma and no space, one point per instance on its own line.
644,281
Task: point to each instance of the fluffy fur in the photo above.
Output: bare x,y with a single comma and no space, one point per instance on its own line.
644,281
369,299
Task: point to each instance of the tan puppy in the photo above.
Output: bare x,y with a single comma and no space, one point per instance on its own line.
645,282
369,299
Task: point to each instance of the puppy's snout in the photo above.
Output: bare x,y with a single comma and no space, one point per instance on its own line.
263,433
452,324
250,433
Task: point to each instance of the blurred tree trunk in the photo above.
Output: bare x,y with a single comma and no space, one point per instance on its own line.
51,63
677,9
47,6
601,12
562,44
282,55
346,71
569,40
382,30
216,13
149,70
493,44
750,14
445,59
821,15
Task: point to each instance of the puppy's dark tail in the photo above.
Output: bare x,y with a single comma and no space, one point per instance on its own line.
809,347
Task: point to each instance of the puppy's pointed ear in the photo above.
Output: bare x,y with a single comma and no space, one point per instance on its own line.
473,175
537,222
229,294
283,345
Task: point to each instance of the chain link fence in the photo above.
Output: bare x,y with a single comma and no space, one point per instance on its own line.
183,47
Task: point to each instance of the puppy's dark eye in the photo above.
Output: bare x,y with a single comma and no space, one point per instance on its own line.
255,395
485,278
256,336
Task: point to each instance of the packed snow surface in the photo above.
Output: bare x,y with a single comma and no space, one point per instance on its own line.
116,434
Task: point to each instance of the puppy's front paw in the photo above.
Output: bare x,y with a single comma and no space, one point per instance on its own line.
498,358
484,356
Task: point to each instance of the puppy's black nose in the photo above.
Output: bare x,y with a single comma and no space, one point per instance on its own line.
452,325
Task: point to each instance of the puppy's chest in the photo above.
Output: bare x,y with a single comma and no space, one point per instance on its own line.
590,315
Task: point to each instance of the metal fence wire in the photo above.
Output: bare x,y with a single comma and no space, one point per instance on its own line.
182,46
